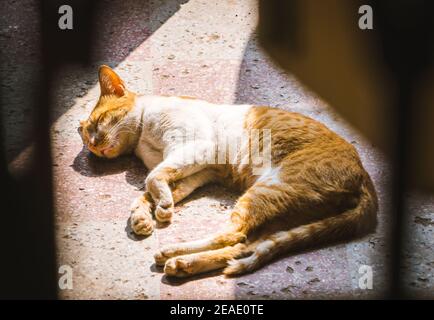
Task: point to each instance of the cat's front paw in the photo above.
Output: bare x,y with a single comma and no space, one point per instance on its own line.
164,211
141,218
142,224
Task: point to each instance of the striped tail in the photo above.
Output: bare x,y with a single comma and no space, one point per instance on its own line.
352,223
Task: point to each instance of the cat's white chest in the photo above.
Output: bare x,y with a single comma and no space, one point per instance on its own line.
174,124
150,155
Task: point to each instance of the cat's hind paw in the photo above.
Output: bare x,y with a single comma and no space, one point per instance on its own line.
165,254
178,267
160,258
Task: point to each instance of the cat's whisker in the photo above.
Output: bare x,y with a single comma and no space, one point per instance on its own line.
115,127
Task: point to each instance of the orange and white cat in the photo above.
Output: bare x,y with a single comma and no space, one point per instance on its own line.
307,177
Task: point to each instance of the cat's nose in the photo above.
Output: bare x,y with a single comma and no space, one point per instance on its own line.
104,150
92,141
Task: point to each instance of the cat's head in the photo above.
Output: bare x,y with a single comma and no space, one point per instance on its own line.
111,127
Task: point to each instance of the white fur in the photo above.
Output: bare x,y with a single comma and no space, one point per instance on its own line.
264,247
270,176
177,132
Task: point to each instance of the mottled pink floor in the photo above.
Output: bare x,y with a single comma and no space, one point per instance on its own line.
205,49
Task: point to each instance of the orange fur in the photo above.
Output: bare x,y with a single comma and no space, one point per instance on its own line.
316,186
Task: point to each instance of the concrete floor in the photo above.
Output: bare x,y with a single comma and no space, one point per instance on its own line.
206,49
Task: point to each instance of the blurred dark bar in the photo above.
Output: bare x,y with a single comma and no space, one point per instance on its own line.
27,239
405,30
395,56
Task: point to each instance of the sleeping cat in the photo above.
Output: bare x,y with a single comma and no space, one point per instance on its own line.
291,169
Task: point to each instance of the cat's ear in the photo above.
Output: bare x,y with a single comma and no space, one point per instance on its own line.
110,82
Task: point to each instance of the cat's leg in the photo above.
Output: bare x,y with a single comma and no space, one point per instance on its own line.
184,187
258,205
262,203
181,163
158,184
244,218
229,237
141,209
190,264
141,215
